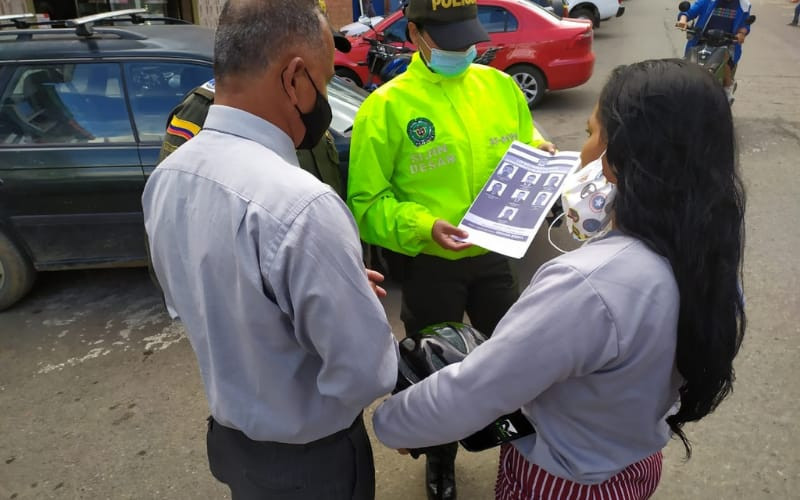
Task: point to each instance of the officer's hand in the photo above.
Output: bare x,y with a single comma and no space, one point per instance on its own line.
549,147
443,233
682,23
740,37
374,278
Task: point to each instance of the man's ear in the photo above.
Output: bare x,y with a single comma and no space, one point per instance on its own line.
412,32
289,78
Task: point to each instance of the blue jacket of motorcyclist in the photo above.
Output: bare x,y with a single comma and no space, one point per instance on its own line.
703,10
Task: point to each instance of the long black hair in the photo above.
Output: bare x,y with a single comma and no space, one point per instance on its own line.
672,148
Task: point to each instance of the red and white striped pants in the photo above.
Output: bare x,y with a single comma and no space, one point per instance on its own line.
518,479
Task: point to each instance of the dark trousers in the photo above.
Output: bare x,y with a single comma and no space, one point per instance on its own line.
436,290
337,467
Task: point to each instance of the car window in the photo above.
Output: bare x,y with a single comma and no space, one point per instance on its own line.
547,7
396,32
496,19
154,88
70,103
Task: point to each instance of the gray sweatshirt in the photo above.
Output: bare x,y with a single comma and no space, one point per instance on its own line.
587,352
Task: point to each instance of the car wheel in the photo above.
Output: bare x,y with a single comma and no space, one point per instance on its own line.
349,75
530,81
16,273
586,13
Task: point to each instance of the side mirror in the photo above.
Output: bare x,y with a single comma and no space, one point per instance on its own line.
750,19
684,6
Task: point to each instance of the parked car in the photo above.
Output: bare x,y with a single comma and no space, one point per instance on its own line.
541,50
82,116
359,27
595,10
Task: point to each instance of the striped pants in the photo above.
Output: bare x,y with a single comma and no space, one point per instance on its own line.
518,479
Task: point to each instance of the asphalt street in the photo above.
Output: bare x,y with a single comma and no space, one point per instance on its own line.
100,396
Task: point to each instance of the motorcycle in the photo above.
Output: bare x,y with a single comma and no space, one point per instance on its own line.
714,47
384,62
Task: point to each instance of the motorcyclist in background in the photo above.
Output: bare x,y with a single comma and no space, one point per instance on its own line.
727,15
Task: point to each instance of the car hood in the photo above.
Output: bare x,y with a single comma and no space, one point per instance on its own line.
345,99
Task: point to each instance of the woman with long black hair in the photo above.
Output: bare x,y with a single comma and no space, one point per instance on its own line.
613,347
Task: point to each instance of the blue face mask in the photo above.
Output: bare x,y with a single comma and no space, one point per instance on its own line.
449,63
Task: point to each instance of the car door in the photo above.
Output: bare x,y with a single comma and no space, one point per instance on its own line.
70,169
154,87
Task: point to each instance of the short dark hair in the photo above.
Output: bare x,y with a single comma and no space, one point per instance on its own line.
251,33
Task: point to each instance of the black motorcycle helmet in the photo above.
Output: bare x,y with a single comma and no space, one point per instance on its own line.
437,346
433,348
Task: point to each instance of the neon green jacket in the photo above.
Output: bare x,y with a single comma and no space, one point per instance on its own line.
423,146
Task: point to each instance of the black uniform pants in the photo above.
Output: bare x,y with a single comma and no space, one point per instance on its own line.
436,290
336,467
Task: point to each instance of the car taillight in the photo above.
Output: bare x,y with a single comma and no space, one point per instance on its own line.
584,39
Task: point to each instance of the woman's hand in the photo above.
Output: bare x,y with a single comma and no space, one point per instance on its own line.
374,278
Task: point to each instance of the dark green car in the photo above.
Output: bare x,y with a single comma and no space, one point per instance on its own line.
82,118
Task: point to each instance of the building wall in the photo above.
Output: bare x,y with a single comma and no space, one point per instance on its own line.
208,12
340,12
14,7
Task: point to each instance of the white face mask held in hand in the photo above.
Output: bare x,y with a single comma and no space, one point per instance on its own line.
588,199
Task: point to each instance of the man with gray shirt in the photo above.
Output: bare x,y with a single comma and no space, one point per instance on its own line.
262,263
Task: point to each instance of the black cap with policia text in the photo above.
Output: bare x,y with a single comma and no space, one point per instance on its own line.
452,24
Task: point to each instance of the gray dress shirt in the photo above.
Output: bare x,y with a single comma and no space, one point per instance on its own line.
588,353
262,263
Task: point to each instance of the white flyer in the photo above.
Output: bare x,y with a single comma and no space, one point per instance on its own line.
513,204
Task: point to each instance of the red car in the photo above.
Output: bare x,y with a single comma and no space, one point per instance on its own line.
539,49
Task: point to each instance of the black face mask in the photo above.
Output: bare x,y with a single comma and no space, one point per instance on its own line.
316,121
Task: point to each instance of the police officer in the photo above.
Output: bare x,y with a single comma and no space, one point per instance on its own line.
186,120
423,146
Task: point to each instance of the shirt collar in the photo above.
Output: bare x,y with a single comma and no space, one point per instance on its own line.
246,125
